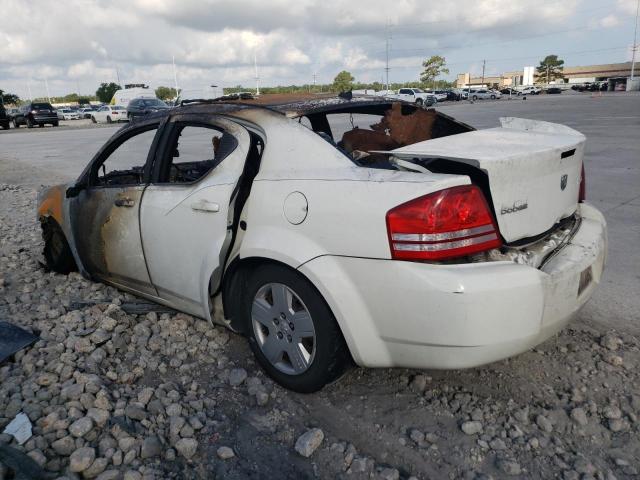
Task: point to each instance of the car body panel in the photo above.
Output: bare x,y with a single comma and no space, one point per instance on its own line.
185,230
526,162
457,316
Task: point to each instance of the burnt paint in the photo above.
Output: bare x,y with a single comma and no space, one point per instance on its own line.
107,237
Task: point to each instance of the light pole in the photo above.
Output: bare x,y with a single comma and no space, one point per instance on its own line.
635,44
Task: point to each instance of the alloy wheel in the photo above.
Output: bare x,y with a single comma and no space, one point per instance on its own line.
283,328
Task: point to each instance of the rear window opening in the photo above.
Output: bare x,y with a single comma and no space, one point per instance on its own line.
362,132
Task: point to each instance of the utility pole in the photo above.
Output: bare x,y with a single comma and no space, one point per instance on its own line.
484,63
387,40
314,81
118,75
29,88
255,64
46,86
635,42
175,76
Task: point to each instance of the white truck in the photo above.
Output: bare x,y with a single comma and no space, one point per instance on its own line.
415,95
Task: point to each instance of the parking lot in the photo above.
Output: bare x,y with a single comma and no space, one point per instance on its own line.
568,409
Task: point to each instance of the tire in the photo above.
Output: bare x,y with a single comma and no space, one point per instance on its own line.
41,125
15,123
93,119
320,357
109,119
493,97
56,252
419,101
474,98
29,123
54,124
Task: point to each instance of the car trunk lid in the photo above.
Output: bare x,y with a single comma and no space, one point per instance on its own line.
533,168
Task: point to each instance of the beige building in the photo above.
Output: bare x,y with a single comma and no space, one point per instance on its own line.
614,72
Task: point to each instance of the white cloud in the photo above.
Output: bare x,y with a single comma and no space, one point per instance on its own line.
80,43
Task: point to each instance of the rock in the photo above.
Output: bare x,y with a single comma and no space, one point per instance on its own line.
82,459
145,395
174,410
237,376
471,427
151,447
225,453
419,383
97,467
544,423
498,444
579,416
389,474
417,436
611,412
613,359
616,424
186,447
132,475
37,456
610,342
309,441
109,475
64,446
46,379
99,416
135,412
262,398
81,427
509,467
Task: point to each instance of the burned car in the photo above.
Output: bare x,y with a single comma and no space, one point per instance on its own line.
331,231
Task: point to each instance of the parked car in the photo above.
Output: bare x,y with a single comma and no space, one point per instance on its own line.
415,95
67,114
85,112
36,113
441,95
553,90
11,112
453,96
420,242
139,107
109,114
483,94
509,91
4,118
531,90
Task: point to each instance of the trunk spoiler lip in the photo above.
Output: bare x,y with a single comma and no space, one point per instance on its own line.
538,126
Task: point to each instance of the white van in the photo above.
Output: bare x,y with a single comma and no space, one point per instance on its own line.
124,96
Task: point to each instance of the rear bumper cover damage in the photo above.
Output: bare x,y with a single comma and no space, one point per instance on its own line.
459,316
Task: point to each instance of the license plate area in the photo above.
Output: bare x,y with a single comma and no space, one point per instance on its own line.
586,277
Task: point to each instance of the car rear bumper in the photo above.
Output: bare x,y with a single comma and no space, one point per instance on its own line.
45,118
418,315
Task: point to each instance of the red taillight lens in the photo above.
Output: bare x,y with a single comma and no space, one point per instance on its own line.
445,224
582,194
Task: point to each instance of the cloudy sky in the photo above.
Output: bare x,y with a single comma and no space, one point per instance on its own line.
76,44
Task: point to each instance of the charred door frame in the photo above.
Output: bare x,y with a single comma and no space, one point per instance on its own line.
94,208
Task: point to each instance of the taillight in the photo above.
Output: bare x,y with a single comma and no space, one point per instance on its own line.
449,223
582,193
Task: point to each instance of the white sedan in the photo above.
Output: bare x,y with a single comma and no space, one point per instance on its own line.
67,114
331,231
109,114
484,94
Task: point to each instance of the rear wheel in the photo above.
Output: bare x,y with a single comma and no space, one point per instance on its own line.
55,124
475,97
493,97
93,119
15,123
109,119
291,330
29,123
56,249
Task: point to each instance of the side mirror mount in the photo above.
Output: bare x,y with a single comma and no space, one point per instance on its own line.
74,191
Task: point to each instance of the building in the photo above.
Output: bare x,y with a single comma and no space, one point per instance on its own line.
617,74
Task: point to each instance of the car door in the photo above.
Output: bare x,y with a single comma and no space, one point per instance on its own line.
105,213
187,212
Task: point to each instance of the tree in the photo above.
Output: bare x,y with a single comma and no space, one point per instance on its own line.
106,90
433,68
9,98
549,69
166,93
343,82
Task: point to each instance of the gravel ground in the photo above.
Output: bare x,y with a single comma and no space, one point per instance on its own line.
166,395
